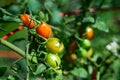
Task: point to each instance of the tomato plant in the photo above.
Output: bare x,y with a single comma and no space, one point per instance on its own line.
59,40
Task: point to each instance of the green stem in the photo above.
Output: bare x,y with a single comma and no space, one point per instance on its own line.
5,12
14,48
27,62
98,75
96,65
49,11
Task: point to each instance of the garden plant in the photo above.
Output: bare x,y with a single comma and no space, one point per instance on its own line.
59,40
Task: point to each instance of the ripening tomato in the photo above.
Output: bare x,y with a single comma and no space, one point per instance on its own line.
90,52
53,60
71,58
27,21
89,33
54,45
44,30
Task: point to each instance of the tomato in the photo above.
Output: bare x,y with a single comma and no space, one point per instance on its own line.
54,45
85,43
27,21
90,52
89,33
72,46
5,37
71,58
53,60
44,30
82,52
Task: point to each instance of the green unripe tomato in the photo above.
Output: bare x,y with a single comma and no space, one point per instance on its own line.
54,45
53,60
82,52
85,43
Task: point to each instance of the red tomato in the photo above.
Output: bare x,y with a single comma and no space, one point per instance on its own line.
44,30
27,21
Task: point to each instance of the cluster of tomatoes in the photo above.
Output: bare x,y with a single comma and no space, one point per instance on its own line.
80,47
52,46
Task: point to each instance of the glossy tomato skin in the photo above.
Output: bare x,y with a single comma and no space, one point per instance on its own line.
27,21
53,60
54,45
44,30
89,33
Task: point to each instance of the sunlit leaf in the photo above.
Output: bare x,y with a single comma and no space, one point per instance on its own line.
80,72
101,25
40,68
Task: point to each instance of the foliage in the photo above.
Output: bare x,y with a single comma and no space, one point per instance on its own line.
99,60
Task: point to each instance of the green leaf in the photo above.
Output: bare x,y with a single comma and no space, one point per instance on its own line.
40,68
60,77
41,14
10,77
34,5
55,16
8,18
46,17
7,27
80,72
69,19
101,25
89,19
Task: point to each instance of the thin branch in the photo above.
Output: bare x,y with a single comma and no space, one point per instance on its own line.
14,48
92,10
27,62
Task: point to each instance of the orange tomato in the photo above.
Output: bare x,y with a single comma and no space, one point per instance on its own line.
89,34
26,20
44,30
